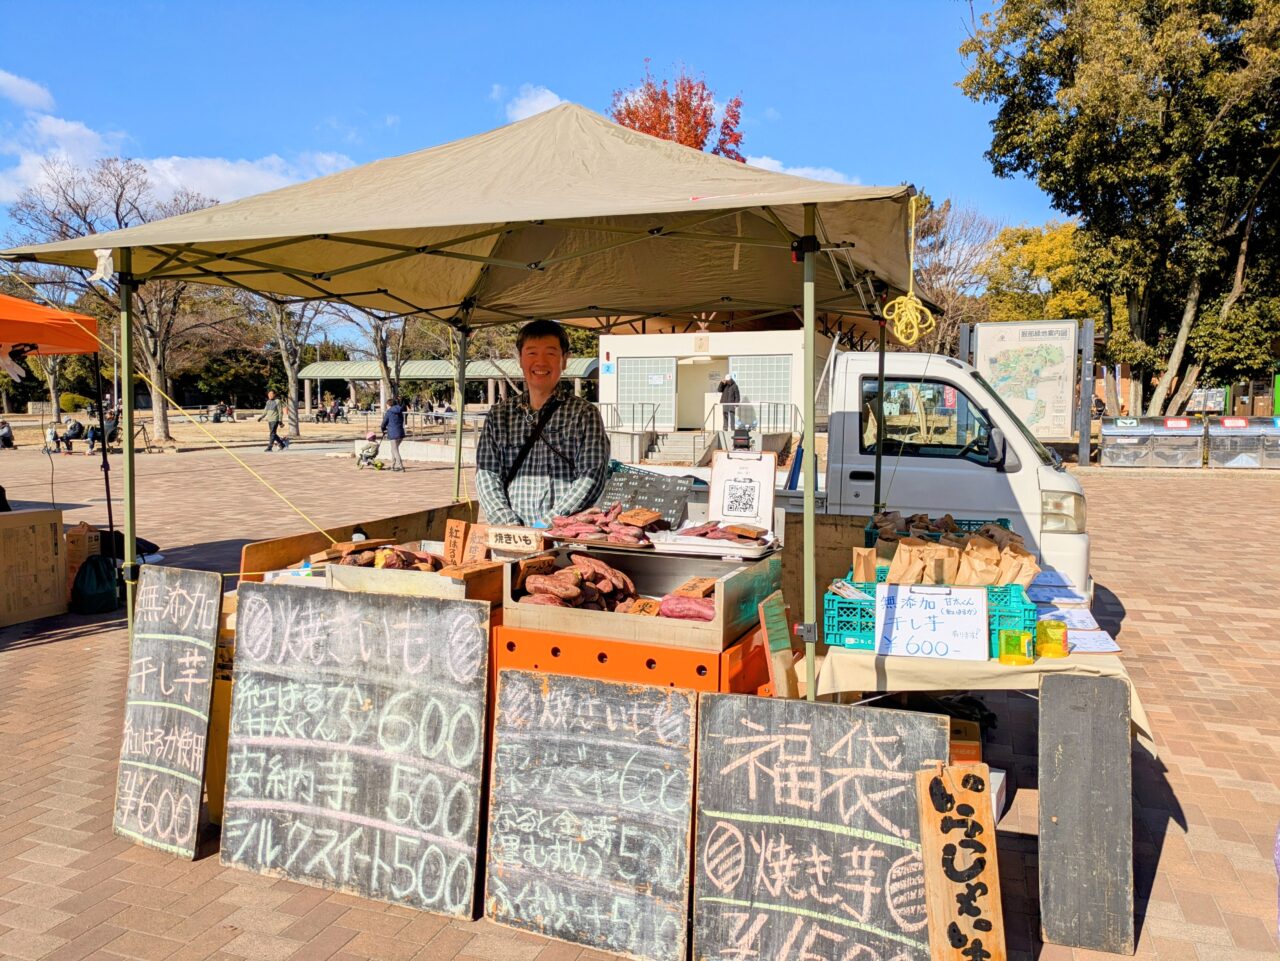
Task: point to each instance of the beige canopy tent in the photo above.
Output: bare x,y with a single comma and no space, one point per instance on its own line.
564,215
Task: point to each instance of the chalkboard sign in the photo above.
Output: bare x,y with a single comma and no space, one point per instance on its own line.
357,743
669,496
166,715
808,841
590,810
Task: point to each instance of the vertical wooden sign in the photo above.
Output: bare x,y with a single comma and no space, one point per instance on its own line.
160,783
961,877
477,544
455,540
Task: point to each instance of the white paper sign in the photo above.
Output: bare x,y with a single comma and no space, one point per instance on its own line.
920,621
1092,642
1055,595
1076,618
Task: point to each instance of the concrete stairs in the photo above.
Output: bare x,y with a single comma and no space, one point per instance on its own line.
682,447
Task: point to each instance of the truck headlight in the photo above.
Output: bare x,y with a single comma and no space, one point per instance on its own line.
1062,511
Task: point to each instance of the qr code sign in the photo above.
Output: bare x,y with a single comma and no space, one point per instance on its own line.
741,498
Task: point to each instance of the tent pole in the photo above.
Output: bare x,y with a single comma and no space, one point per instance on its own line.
102,431
130,568
879,415
809,465
460,391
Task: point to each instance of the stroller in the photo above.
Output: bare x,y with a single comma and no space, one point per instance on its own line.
368,456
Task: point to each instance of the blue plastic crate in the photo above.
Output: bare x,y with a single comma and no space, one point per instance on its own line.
852,623
871,533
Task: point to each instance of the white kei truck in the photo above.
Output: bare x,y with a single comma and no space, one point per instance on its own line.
951,445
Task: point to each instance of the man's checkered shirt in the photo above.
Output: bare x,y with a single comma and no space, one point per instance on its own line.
564,472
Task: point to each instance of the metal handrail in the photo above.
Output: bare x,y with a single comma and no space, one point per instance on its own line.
636,416
769,417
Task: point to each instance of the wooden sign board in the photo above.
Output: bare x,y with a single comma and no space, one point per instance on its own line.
33,566
915,620
775,618
357,743
961,876
1086,813
523,540
808,831
697,587
477,546
160,783
455,540
591,803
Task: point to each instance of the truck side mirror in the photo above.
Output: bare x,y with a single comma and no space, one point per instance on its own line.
995,448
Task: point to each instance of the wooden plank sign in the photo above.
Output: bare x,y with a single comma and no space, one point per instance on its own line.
1086,813
357,743
590,810
522,540
160,783
916,620
455,540
808,830
477,545
697,587
775,618
961,876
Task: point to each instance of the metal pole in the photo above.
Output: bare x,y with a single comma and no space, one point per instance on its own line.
1086,392
127,287
460,391
809,466
879,415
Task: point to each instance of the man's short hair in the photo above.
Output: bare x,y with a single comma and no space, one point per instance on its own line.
542,328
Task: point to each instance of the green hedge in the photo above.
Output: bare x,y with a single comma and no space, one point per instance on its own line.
70,403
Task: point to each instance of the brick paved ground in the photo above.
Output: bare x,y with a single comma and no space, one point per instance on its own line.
1186,564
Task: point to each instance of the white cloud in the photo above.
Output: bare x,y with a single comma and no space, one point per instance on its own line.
43,138
226,179
812,173
530,100
497,92
25,93
771,114
392,120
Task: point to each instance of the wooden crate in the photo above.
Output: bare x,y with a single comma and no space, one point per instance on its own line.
33,566
740,587
279,552
479,584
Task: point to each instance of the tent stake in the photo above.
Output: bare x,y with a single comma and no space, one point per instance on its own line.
809,465
130,563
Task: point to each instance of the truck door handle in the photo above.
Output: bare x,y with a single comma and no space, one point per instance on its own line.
862,475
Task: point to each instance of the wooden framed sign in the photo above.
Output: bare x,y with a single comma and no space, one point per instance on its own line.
808,831
160,784
590,810
357,743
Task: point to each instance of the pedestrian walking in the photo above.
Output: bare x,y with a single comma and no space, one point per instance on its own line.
393,427
272,413
729,398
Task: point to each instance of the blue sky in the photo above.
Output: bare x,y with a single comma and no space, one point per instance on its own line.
233,98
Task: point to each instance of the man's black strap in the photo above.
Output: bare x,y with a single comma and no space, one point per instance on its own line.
544,415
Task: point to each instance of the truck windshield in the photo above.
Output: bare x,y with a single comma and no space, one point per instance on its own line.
1041,451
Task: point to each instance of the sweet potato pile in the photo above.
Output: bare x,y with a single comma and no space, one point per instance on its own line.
611,526
393,557
730,533
587,583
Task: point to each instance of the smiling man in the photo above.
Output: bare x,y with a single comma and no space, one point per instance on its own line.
546,451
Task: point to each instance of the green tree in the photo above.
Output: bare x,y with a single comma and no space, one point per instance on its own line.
1034,273
1157,126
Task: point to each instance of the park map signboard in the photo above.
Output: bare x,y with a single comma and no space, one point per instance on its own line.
160,782
1032,366
808,840
590,812
357,743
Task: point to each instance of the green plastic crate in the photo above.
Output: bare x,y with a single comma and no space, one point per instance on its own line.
852,623
871,533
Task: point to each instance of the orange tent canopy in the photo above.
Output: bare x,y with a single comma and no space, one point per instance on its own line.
52,331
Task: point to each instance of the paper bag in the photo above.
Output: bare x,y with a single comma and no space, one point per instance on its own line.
887,546
1003,538
1017,566
864,565
907,566
941,564
960,541
979,564
890,519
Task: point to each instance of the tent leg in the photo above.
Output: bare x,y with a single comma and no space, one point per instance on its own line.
460,392
809,466
879,415
130,568
102,433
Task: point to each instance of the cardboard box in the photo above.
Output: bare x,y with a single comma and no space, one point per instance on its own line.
740,587
33,566
966,742
83,541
